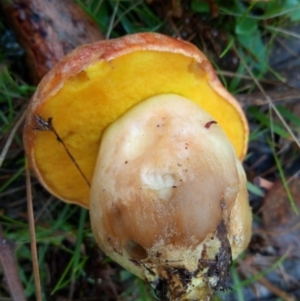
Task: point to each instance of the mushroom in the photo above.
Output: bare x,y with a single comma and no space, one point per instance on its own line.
158,143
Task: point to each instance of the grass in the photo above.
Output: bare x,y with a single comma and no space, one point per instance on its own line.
239,38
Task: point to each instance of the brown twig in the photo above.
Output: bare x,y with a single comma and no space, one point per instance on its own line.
43,125
9,266
267,284
32,236
259,99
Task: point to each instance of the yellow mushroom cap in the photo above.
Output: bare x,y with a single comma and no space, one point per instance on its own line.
97,83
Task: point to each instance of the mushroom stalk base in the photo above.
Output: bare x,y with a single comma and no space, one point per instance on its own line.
169,199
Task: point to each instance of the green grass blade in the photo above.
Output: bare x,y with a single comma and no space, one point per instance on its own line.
259,275
12,179
266,120
284,180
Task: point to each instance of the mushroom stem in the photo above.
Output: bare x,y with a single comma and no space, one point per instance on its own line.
165,185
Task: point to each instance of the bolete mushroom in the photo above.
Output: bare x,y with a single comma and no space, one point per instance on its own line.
160,140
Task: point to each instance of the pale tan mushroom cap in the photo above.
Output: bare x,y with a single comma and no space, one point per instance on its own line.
166,177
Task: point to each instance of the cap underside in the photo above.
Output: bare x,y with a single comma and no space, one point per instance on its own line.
92,99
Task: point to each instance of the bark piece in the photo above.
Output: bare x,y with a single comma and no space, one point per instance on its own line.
48,30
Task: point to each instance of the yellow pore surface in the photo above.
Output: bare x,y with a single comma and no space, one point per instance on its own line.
91,100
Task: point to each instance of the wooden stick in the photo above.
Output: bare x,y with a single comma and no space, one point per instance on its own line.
32,236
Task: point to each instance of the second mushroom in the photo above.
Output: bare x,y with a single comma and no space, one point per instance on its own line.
160,142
